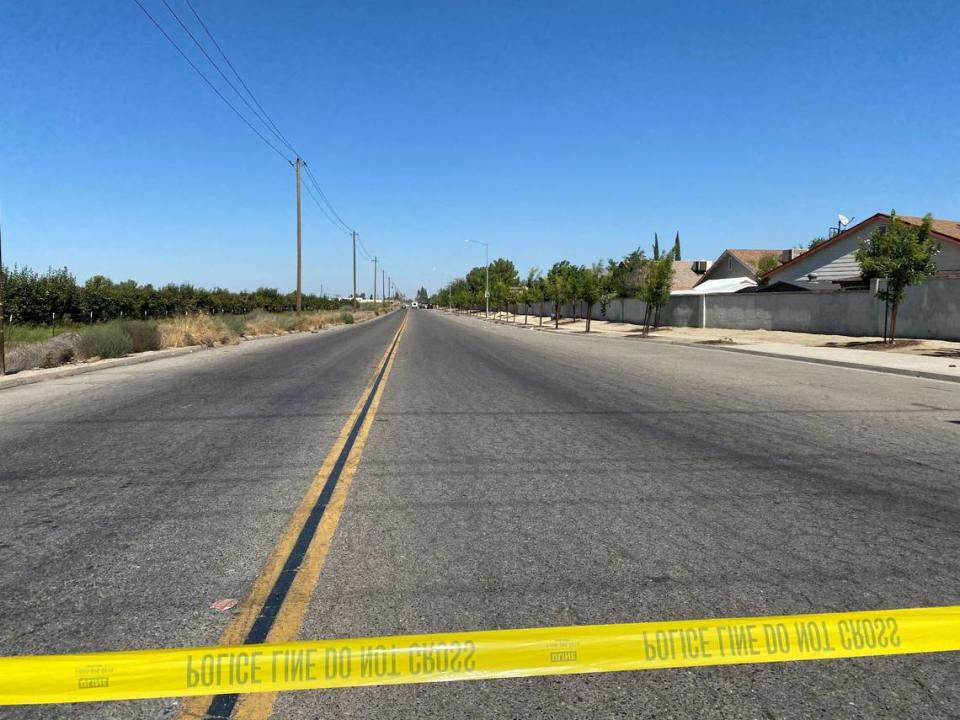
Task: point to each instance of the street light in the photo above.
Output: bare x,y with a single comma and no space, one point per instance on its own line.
486,294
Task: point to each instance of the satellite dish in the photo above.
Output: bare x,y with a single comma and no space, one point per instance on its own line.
844,220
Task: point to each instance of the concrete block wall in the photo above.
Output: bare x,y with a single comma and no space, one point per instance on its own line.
930,310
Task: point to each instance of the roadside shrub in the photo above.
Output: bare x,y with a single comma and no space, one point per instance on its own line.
286,323
261,323
60,350
47,354
346,318
144,334
304,322
23,356
196,330
236,324
105,341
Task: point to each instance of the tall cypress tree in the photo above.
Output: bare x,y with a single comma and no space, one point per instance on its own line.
656,247
676,247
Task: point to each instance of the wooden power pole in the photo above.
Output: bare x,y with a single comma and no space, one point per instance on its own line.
374,278
354,298
299,243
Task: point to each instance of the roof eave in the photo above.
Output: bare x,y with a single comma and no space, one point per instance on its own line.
836,238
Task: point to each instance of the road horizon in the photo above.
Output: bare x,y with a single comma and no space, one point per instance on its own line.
503,478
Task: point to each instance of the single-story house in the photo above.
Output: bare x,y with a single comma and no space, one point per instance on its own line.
832,263
687,273
738,263
734,271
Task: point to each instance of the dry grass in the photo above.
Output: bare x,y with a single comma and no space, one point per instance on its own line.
190,330
209,330
261,323
213,330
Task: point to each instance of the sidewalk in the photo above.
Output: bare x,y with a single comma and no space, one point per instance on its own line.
934,359
935,368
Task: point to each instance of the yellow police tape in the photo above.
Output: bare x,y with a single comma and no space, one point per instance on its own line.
475,655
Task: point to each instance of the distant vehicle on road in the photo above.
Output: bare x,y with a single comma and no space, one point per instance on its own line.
414,304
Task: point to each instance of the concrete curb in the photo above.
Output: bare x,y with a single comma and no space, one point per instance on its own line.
37,376
824,361
905,372
71,370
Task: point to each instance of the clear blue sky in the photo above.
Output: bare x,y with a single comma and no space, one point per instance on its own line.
552,130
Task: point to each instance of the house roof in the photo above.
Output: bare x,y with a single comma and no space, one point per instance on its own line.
751,258
942,229
684,277
748,258
723,285
947,228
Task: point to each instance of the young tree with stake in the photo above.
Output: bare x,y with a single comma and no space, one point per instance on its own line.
901,254
588,290
655,290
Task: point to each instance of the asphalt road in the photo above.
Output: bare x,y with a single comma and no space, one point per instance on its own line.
512,478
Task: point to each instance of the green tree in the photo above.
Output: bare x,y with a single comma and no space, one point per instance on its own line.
97,299
504,270
422,296
624,277
499,294
588,290
676,247
538,292
903,255
561,284
655,290
529,294
656,247
816,241
515,296
765,264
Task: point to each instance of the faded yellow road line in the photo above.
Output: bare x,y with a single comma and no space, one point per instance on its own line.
289,618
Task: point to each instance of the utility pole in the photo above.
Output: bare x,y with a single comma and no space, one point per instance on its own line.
299,242
383,284
3,350
354,298
374,278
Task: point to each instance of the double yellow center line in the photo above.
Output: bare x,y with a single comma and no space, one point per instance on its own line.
277,604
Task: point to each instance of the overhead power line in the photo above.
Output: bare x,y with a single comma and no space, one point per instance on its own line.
316,185
326,214
316,194
363,249
208,82
266,119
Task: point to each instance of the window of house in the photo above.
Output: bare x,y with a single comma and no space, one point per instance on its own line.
729,263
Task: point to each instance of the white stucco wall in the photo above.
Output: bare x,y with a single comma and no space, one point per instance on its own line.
930,310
